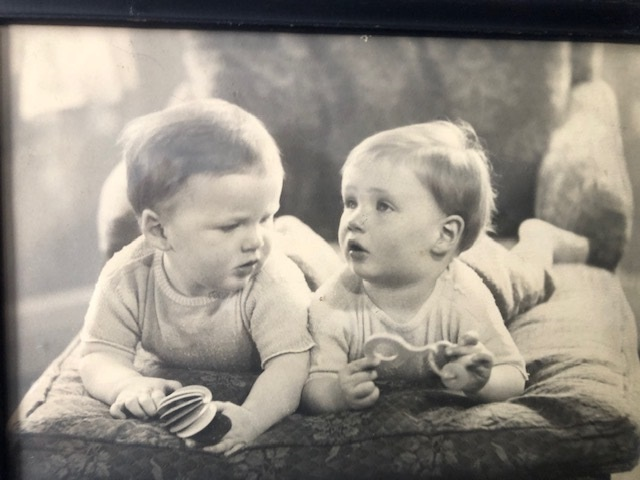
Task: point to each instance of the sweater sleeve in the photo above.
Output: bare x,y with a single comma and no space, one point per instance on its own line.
111,323
276,309
331,318
476,310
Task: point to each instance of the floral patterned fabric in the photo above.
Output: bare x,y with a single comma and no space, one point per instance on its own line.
578,417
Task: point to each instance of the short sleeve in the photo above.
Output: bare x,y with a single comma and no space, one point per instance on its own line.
110,322
476,310
331,326
276,309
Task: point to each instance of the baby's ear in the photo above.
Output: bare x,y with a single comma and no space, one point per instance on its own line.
448,240
153,230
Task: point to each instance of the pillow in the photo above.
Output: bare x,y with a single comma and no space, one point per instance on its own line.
516,285
583,182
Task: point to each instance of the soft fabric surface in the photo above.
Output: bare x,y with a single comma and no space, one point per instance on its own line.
583,183
579,415
516,285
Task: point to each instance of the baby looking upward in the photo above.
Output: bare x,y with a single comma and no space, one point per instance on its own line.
414,198
203,287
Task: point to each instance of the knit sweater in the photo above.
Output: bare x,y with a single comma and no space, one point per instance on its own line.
342,317
135,305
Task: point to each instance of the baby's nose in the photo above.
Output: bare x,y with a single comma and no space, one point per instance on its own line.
254,239
357,221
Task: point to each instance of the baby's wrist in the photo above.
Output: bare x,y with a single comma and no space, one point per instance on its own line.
126,382
257,419
340,398
472,390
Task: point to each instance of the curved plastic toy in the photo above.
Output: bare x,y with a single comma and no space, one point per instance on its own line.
393,348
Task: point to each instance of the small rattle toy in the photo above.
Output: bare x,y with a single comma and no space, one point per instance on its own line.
393,348
189,410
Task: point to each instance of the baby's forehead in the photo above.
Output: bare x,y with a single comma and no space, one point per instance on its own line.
373,163
381,176
248,181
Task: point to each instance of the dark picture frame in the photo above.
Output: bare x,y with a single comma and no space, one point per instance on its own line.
576,19
572,20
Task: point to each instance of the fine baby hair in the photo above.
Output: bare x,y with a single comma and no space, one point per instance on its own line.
212,136
449,161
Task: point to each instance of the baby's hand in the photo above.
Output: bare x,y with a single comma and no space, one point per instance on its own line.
356,382
141,396
245,427
470,364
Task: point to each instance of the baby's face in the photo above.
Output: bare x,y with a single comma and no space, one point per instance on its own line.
389,223
219,230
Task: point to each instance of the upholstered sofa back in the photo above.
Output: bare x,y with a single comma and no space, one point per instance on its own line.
321,95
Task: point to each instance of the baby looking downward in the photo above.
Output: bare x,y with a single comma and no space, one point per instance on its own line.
203,287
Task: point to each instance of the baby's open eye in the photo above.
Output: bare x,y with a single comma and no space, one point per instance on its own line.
383,207
349,203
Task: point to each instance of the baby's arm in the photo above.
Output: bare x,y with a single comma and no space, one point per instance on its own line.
111,378
476,311
505,382
274,395
351,388
487,382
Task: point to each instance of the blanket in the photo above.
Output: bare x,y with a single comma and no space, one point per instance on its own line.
578,417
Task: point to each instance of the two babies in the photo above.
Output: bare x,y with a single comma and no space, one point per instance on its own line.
206,286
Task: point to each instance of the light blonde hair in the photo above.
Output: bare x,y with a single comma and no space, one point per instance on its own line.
449,161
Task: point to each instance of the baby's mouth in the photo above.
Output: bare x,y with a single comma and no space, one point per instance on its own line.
355,246
248,265
354,249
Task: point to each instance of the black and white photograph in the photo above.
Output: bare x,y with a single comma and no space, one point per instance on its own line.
240,254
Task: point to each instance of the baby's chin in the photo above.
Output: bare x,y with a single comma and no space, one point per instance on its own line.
379,279
238,280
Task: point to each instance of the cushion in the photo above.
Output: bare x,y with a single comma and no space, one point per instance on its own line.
577,417
516,284
583,182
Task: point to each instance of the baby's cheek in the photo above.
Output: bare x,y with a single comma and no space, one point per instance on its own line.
341,239
266,248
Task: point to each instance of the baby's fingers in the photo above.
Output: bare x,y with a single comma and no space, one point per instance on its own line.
219,448
228,447
171,386
157,395
149,402
367,401
362,377
117,411
470,338
134,407
364,363
363,390
480,361
236,448
120,408
457,351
